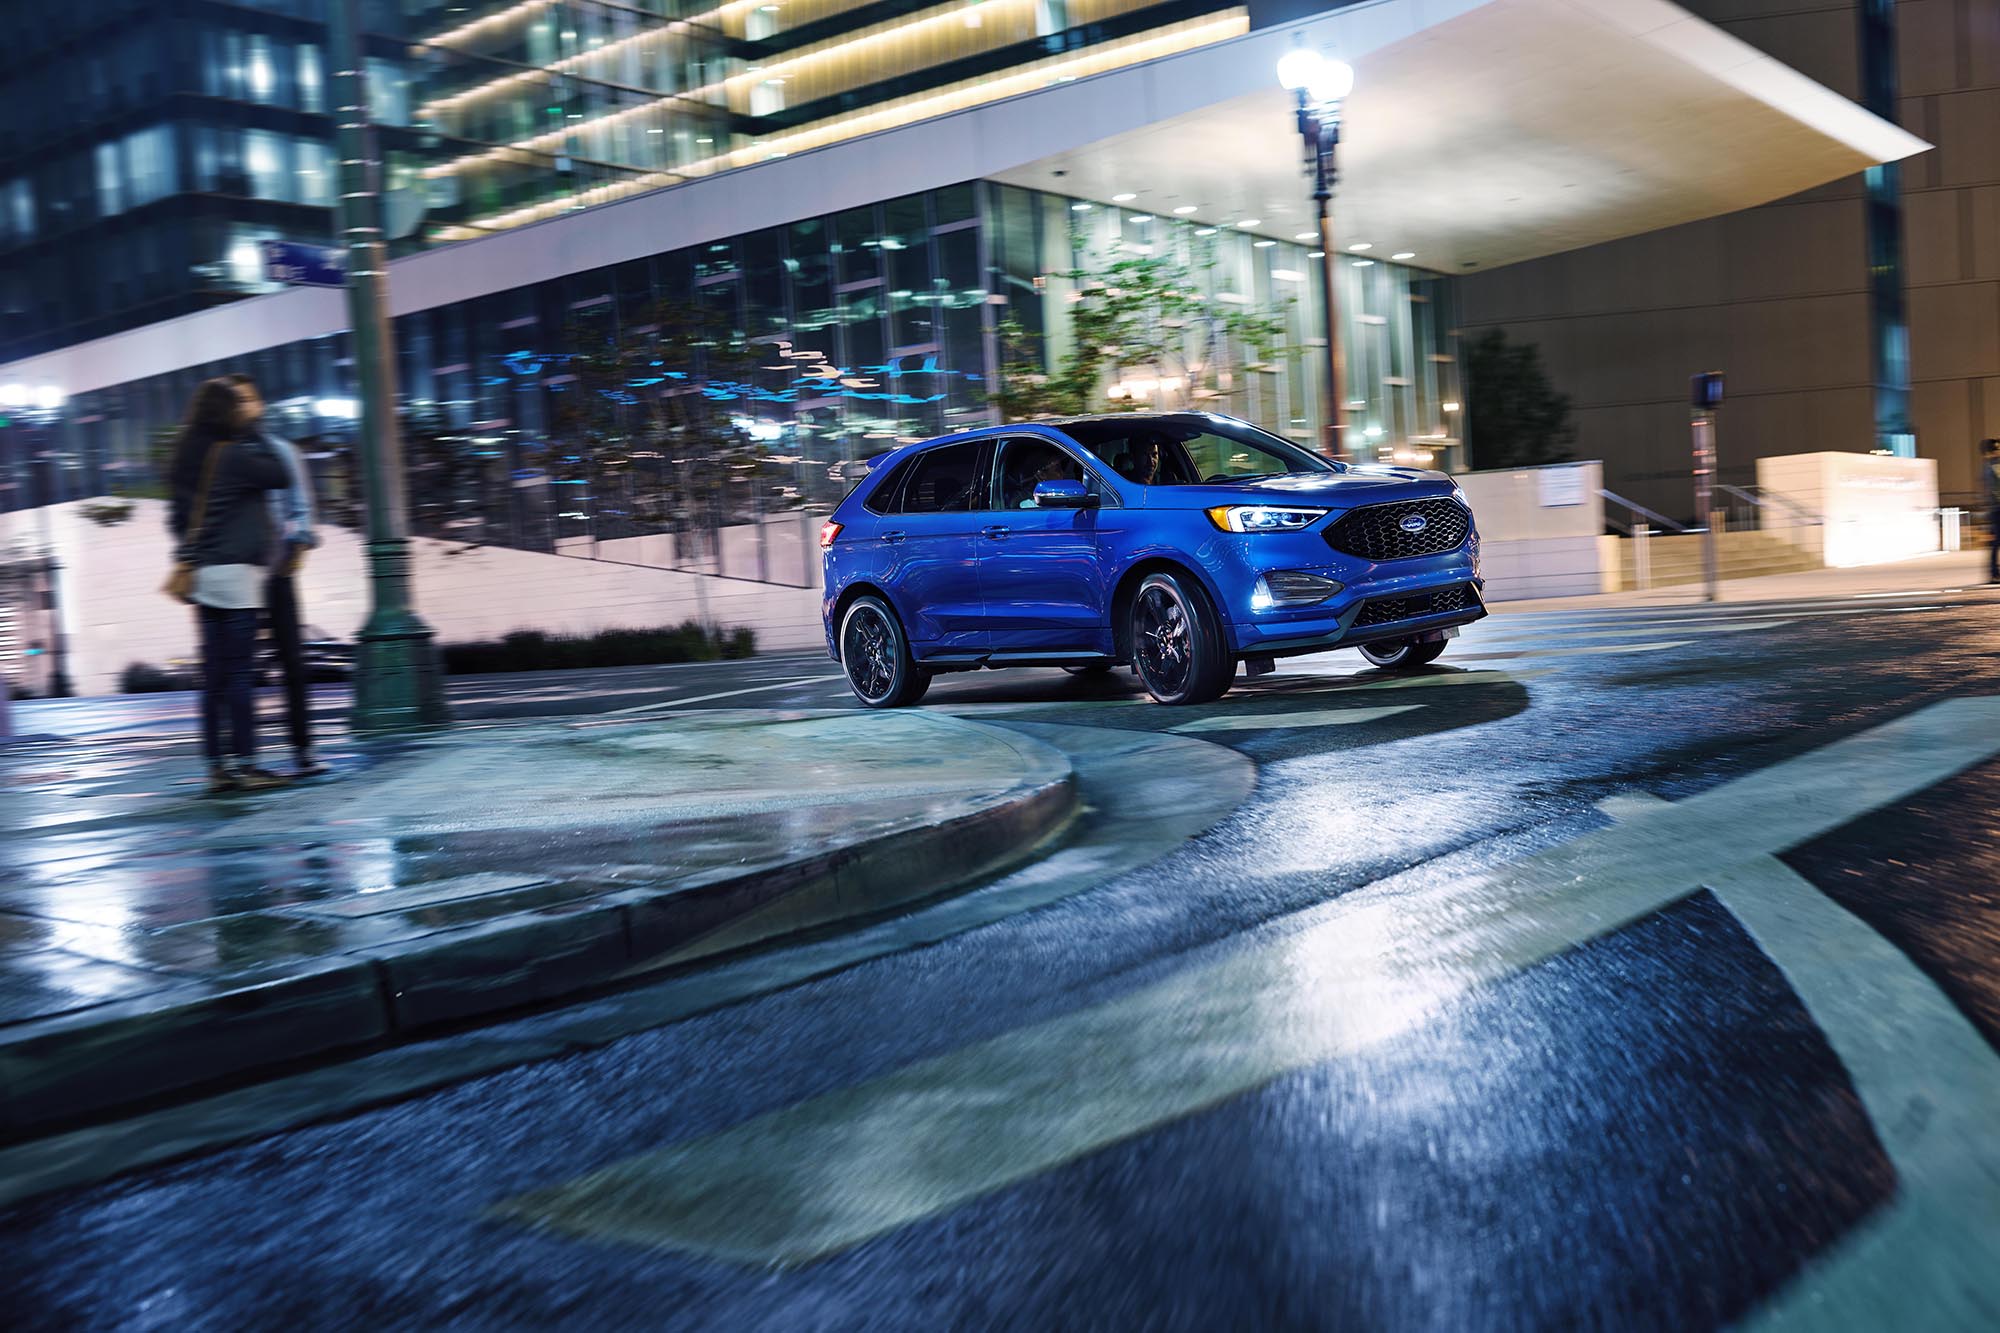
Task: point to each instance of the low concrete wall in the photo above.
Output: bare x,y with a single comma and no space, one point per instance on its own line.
115,615
1541,530
1873,508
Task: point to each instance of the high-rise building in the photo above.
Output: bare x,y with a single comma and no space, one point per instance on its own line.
146,148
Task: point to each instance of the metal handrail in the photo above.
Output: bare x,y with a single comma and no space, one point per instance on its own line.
1765,499
1661,519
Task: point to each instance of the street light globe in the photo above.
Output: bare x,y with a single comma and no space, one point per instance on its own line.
1298,67
13,395
49,398
1332,81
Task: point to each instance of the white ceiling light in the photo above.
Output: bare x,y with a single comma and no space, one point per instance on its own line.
1185,209
1306,236
1251,222
1404,254
1125,198
1359,246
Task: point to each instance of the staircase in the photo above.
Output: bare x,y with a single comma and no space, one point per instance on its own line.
1676,558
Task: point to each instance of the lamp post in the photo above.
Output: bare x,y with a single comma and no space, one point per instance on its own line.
1318,87
396,680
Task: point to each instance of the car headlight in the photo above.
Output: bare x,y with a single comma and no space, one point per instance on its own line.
1263,518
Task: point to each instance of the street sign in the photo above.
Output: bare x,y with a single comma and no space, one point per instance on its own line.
1561,485
302,265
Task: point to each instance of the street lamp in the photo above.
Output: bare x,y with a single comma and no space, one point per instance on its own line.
1318,87
397,683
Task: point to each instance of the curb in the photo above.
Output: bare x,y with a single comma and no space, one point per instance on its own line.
126,1054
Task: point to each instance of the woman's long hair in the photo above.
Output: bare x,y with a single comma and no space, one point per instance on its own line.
211,416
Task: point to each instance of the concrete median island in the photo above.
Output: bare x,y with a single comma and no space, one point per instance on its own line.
152,943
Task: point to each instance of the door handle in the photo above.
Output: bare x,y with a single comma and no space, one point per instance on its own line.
893,536
997,531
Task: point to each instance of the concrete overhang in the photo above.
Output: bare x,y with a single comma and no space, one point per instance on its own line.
1489,133
1480,133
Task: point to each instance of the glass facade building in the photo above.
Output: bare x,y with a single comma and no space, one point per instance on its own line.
533,416
147,146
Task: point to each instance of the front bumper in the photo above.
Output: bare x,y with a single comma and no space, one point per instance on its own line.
1277,631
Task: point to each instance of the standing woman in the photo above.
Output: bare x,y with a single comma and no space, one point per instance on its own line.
221,526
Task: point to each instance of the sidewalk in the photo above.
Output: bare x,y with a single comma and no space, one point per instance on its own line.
1945,572
152,941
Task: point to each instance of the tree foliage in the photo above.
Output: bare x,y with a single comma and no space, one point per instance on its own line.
653,426
1138,315
1514,416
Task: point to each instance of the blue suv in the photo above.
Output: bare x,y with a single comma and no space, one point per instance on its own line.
1180,542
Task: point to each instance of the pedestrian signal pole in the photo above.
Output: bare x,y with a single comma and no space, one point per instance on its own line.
1704,398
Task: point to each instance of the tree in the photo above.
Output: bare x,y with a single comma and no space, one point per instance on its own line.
1144,314
1514,417
655,427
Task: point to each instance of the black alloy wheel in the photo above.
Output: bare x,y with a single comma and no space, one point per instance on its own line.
877,659
1177,644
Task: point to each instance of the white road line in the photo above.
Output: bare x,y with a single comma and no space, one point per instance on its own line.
1305,717
1627,631
812,1179
719,694
1603,650
1931,1085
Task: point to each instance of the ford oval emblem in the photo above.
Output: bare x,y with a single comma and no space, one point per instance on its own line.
1414,523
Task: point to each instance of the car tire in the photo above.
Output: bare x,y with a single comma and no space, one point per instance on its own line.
1401,654
875,656
1176,639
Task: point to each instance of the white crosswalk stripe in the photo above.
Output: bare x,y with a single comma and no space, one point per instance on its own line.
1304,717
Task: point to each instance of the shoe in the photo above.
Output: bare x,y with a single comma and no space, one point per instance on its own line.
251,778
220,782
309,765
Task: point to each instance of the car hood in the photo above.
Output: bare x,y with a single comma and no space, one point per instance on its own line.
1336,490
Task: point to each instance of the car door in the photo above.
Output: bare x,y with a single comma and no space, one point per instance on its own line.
931,542
1040,568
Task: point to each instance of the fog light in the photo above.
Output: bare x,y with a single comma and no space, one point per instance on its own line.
1291,587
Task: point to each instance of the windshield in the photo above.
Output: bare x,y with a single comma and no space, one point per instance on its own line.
1187,451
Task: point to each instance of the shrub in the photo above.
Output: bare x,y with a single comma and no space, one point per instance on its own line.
533,650
145,678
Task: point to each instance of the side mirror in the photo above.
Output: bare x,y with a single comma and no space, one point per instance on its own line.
1063,495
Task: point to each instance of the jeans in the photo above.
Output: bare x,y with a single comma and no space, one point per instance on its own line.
228,640
281,602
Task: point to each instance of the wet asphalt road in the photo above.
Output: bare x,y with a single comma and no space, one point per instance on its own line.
1379,1050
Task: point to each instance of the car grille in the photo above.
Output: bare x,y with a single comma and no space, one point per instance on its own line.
1387,610
1375,532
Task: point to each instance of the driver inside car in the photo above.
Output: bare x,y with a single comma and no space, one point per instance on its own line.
1141,462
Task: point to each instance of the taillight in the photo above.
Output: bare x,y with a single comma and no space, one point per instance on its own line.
827,532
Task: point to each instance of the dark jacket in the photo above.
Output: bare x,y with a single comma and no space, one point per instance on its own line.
1989,472
236,524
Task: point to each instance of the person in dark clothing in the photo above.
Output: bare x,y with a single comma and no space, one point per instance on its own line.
1989,477
221,525
292,527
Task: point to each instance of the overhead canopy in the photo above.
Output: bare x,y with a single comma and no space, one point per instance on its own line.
1509,130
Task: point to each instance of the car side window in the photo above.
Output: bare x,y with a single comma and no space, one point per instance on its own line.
885,498
1026,461
945,480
